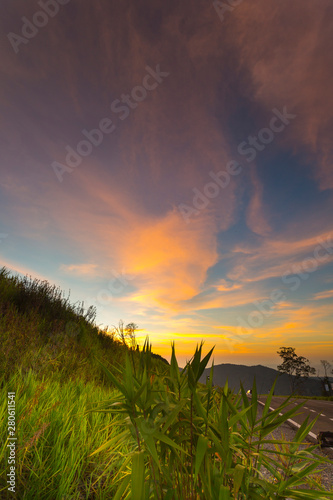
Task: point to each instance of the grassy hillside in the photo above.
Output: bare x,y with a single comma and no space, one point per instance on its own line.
85,417
40,330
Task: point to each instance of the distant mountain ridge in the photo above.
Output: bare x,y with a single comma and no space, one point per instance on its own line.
264,379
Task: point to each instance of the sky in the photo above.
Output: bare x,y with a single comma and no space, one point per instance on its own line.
171,164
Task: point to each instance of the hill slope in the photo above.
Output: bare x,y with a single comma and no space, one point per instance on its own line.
41,330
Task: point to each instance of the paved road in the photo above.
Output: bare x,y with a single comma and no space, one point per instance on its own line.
311,408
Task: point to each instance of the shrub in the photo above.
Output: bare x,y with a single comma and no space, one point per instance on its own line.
195,441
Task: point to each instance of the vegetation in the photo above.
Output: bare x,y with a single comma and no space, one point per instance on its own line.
56,437
193,441
327,388
100,419
41,330
322,398
327,366
296,367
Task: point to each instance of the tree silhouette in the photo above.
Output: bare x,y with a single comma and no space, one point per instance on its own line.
326,366
296,367
130,334
325,381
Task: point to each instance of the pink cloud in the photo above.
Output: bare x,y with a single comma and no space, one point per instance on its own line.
292,70
256,216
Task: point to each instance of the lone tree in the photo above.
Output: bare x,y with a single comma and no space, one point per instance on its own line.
126,334
127,337
294,366
326,366
325,380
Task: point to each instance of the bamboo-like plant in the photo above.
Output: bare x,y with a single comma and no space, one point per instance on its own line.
195,441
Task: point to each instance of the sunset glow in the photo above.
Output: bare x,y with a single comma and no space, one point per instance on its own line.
174,168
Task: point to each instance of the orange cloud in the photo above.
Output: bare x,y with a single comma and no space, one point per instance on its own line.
225,286
296,324
327,294
161,251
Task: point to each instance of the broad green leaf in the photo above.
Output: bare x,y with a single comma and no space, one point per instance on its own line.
173,415
269,398
244,396
217,443
149,441
224,493
113,379
138,476
210,378
203,363
304,430
165,439
303,494
174,368
202,447
122,488
238,474
267,428
198,406
108,444
140,391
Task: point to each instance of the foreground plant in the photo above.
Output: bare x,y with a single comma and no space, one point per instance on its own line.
189,440
55,439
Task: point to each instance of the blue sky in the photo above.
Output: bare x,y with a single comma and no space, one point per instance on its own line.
171,165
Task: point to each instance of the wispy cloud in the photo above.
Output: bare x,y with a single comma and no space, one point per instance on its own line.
83,270
301,77
327,294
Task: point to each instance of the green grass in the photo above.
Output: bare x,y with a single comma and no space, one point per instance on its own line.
322,398
156,434
56,436
41,330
